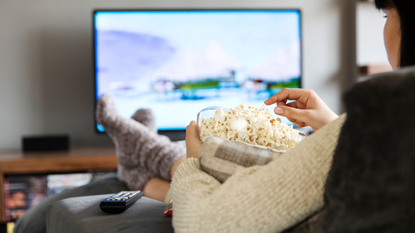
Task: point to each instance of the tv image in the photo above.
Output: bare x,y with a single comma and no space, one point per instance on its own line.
177,62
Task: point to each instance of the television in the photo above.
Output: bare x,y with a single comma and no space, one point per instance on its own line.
177,62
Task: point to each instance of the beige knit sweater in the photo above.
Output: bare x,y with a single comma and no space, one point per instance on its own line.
269,198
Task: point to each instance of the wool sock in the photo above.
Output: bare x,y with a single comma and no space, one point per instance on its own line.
141,153
136,177
147,118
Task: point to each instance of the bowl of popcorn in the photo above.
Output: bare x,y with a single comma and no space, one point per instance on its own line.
247,124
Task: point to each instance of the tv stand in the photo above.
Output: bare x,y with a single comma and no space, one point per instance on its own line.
75,160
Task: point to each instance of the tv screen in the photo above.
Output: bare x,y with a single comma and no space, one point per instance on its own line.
177,62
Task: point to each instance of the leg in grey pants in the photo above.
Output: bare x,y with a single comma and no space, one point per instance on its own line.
34,220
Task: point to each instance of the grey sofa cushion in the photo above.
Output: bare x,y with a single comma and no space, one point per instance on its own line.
82,215
34,220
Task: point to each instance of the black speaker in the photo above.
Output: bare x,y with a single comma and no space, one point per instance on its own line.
45,143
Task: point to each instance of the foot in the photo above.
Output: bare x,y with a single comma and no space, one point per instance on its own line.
147,118
137,147
135,179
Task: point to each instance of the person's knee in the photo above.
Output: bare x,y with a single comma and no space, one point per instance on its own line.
34,220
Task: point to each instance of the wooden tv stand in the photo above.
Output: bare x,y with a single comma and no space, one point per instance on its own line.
74,160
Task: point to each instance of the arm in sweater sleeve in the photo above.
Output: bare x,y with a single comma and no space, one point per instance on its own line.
267,198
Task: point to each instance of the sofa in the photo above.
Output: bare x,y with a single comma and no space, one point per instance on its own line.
77,210
82,214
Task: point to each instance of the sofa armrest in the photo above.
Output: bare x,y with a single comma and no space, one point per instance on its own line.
82,215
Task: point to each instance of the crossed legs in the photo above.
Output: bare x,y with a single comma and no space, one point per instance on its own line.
146,160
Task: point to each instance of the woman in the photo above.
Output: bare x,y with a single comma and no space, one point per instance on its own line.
194,191
282,201
307,109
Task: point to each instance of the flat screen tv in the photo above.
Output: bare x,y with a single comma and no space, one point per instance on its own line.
177,62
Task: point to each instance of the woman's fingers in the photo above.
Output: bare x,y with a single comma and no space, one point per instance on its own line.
193,143
300,125
192,133
289,94
293,120
306,108
293,114
192,130
292,104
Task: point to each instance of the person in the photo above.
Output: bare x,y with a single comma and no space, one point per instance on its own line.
307,108
269,198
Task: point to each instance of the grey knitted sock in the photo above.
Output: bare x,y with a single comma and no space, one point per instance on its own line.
135,177
147,118
141,153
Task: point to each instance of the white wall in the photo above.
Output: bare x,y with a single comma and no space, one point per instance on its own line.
370,44
46,82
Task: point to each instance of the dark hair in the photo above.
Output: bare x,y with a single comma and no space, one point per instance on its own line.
405,9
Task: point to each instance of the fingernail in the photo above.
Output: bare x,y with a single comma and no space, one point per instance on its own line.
278,110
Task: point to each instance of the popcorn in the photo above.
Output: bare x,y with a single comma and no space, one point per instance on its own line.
250,125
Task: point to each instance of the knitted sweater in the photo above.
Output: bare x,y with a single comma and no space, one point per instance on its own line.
269,198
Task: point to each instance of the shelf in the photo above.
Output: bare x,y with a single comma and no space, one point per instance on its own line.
74,160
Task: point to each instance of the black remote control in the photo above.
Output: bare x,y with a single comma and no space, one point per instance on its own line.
121,201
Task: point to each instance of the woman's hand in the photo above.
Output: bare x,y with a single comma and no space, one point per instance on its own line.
193,143
307,109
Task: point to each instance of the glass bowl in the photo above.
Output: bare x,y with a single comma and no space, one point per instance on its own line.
207,113
210,112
